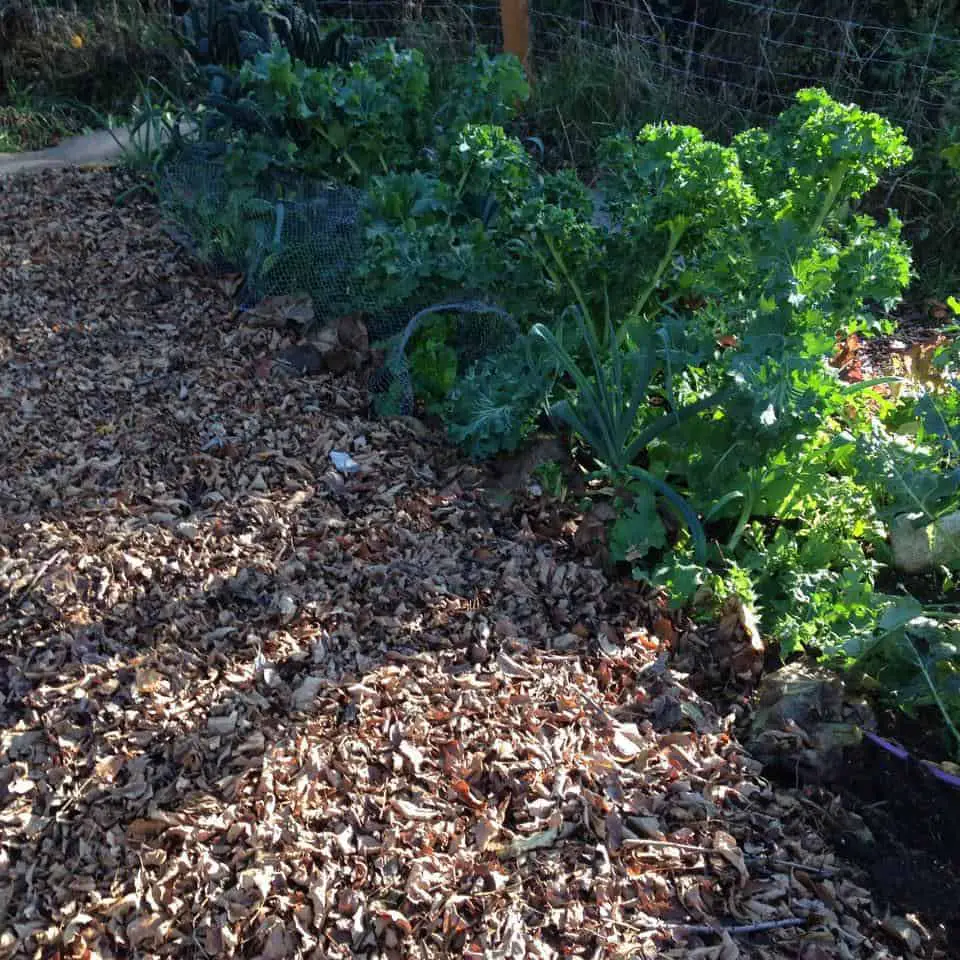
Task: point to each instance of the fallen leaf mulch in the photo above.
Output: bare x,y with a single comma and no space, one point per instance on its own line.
921,327
252,707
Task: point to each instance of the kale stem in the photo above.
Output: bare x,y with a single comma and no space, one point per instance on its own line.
463,180
745,513
574,286
836,182
351,163
547,268
676,233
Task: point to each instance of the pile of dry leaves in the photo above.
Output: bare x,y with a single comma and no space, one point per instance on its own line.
253,706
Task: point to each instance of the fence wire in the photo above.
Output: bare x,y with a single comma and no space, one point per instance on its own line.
747,57
766,53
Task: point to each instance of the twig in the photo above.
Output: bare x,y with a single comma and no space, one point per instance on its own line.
35,579
794,865
768,861
706,928
686,847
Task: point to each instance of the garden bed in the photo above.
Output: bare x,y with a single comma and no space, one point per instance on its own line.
254,707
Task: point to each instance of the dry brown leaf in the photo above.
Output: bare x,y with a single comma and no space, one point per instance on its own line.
395,918
462,790
411,811
294,311
412,755
146,931
307,692
628,743
510,668
726,846
148,680
145,828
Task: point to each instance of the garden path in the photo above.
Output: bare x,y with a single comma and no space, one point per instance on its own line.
100,147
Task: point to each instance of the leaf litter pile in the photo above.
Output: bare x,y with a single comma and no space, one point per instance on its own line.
254,706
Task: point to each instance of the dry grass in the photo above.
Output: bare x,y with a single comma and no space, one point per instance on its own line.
97,58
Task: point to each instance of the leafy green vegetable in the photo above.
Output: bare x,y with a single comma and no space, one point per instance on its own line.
433,361
493,407
638,529
483,90
603,410
491,170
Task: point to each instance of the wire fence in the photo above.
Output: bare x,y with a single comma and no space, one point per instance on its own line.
722,64
729,62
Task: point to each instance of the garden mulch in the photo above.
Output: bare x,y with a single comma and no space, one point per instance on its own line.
251,706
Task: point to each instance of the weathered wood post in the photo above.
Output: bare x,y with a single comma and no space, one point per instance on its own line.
515,20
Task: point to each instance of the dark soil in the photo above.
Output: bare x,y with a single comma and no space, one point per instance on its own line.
910,858
913,863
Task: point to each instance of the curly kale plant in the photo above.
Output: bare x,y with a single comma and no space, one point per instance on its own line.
371,110
344,122
740,268
490,170
482,90
493,407
429,233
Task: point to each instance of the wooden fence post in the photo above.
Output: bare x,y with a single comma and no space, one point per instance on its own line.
515,20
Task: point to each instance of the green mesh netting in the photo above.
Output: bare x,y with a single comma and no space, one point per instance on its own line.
300,236
480,329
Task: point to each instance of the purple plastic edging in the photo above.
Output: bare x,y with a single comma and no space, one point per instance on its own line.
898,752
901,754
942,775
